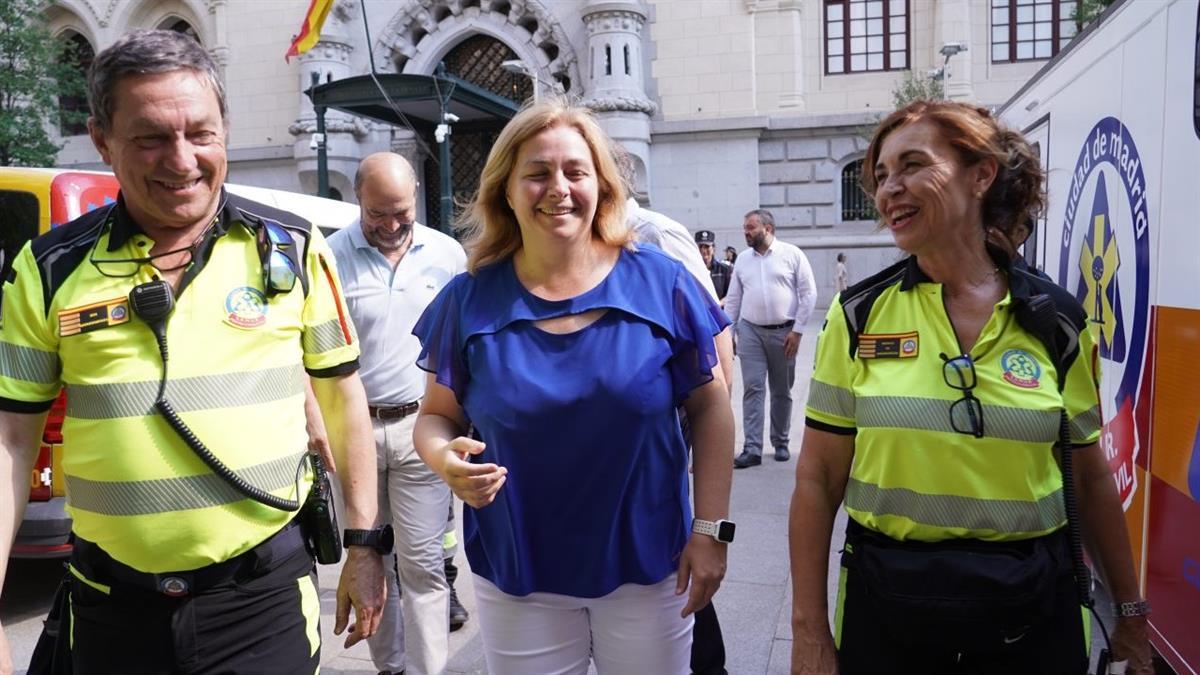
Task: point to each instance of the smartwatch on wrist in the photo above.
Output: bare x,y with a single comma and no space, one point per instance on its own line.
1127,610
721,530
379,538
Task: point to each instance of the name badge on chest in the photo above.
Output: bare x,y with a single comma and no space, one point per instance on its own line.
92,317
889,345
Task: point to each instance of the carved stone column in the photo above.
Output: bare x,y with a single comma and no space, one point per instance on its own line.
614,79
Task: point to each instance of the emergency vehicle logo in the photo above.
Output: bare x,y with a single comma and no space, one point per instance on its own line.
1105,260
1021,369
246,307
76,320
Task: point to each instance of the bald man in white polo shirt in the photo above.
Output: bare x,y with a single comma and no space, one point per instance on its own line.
770,299
391,268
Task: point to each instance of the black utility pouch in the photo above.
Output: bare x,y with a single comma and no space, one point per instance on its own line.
52,654
318,517
968,595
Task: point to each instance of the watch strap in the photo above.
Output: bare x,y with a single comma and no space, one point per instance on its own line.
707,527
1126,610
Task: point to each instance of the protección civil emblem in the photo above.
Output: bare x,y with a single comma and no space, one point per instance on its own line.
1105,261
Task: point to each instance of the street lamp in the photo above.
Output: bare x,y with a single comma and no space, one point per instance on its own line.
518,67
942,74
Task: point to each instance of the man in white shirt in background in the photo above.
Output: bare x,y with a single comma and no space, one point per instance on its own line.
770,299
391,268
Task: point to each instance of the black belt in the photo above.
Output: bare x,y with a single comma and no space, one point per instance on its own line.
776,326
98,566
385,413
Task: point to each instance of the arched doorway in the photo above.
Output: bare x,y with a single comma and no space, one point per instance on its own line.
477,60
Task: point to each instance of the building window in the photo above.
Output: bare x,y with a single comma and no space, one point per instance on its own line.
856,204
865,35
73,110
180,26
1026,30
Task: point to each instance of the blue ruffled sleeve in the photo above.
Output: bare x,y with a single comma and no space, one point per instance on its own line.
697,318
440,331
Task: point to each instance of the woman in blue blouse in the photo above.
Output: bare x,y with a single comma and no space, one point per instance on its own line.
567,350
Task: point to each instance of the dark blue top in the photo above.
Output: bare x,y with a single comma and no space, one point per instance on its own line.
597,491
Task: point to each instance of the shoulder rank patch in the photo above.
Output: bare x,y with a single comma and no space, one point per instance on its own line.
92,317
889,346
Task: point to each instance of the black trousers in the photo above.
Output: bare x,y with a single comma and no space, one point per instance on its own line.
708,646
262,619
866,647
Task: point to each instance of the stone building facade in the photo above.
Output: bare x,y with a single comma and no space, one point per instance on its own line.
725,105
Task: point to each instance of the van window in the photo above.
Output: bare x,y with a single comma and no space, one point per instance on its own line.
18,222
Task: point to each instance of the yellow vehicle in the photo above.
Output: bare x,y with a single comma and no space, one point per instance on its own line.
31,202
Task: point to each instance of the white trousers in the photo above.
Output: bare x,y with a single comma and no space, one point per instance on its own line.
414,633
634,629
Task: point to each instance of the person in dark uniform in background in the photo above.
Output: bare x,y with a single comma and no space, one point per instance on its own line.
719,270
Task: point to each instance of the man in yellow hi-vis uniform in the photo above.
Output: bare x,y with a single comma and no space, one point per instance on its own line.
174,569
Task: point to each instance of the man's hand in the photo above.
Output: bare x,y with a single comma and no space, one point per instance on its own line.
475,484
1130,643
791,344
361,586
702,563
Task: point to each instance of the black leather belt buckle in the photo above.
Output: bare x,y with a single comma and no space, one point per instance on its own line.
393,412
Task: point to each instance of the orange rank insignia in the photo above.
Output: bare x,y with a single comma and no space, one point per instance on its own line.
889,346
92,317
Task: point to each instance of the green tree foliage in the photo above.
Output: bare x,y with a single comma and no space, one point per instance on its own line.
1088,11
915,87
35,70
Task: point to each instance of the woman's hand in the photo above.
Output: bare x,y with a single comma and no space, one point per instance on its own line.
475,484
813,651
702,563
1130,643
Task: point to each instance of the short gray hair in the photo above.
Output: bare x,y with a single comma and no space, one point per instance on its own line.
146,52
764,216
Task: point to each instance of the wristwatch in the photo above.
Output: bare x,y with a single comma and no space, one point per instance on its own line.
380,538
721,530
1126,610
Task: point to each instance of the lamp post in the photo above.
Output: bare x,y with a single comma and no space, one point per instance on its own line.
518,67
943,74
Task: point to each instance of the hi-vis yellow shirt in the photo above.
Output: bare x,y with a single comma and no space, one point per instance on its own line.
235,375
913,476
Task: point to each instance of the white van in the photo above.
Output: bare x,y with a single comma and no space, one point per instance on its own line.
1116,118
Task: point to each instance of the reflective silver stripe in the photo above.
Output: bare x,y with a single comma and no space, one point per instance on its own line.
28,364
164,495
830,399
999,515
1085,424
323,338
207,392
932,414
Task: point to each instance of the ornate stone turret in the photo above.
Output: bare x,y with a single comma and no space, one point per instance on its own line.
329,60
614,79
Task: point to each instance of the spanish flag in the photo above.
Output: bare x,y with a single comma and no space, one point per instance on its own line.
310,30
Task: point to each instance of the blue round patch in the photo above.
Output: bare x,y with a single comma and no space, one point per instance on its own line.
1021,369
246,307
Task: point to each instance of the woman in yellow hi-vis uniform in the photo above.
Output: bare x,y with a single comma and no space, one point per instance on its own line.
937,397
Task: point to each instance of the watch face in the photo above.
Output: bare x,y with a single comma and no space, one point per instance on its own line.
725,530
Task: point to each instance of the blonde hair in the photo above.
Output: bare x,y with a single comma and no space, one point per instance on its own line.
489,226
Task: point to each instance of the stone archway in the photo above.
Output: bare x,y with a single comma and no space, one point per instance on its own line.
422,32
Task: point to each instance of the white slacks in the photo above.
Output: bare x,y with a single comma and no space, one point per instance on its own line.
634,629
414,633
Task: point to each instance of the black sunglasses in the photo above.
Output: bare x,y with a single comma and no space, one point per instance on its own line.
959,373
277,250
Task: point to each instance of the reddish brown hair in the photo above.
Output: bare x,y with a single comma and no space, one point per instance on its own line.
1018,191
